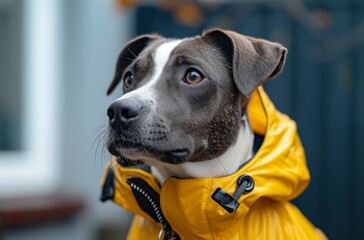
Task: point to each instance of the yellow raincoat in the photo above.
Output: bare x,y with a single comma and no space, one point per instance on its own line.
280,174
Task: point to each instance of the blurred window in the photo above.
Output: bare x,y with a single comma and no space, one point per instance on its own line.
29,95
10,75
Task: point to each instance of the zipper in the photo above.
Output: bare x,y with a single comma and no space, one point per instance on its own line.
148,200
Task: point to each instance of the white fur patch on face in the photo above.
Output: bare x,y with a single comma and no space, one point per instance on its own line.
160,58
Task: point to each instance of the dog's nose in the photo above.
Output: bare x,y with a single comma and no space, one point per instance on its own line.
122,111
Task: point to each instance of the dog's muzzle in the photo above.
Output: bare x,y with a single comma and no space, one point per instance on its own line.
130,133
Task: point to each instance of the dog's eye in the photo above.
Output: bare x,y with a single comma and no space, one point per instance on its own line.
193,76
128,80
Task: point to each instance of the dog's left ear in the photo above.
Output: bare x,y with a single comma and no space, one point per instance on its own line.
128,54
253,61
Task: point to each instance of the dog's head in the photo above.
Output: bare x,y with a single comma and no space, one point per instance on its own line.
183,99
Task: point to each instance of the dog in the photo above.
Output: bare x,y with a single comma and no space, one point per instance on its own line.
185,113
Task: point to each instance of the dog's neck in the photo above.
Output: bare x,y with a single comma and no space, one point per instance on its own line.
229,162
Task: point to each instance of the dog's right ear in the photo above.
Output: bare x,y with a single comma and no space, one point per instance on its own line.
127,55
252,60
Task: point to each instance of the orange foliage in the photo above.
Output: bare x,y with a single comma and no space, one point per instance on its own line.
185,12
189,14
129,3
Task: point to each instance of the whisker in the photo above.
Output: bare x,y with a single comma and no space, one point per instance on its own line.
114,165
100,135
208,151
132,52
130,59
102,140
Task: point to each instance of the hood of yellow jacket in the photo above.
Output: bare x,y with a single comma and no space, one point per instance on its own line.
278,168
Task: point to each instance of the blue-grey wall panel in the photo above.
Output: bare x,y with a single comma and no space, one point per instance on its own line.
357,176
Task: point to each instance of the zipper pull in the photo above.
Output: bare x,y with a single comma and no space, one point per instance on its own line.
167,234
228,202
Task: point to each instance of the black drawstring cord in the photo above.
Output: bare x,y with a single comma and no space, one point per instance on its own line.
107,191
228,202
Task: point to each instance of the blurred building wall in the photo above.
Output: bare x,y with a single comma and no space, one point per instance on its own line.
321,88
93,33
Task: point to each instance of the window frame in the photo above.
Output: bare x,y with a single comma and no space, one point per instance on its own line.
35,169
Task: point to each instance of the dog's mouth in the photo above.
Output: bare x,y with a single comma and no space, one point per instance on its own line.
180,153
146,155
137,152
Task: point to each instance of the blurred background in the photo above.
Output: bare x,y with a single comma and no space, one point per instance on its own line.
58,56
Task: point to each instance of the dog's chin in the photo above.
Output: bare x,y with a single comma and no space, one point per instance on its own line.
151,156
